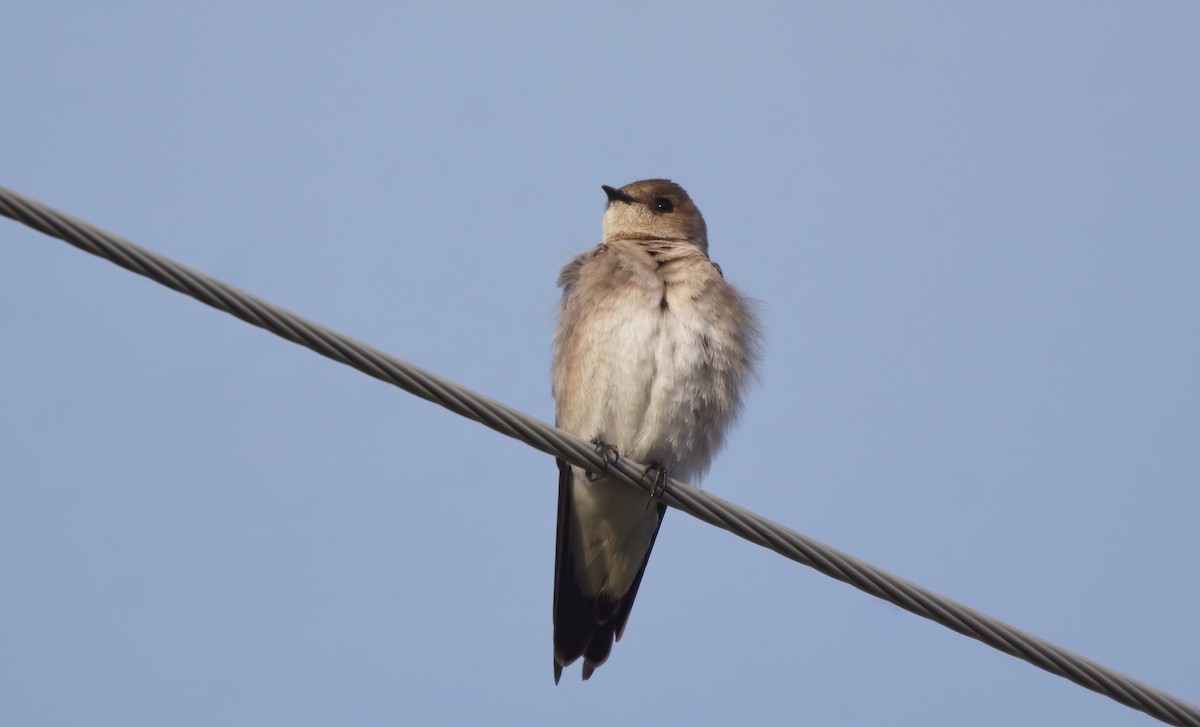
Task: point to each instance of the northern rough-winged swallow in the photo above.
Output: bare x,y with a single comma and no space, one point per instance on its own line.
652,357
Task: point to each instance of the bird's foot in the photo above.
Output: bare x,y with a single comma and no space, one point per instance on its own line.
610,455
659,481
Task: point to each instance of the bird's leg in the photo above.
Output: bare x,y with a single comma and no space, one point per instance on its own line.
660,481
610,455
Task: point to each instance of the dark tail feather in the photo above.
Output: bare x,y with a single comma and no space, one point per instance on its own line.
621,619
583,625
573,622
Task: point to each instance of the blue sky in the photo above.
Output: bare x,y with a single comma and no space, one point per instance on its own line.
974,230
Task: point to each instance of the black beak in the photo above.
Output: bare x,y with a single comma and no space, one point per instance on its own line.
616,195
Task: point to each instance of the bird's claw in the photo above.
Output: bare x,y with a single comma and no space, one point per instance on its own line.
659,482
610,455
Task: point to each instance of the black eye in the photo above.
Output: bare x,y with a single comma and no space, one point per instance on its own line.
662,204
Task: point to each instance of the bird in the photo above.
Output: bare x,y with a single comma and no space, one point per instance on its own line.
653,354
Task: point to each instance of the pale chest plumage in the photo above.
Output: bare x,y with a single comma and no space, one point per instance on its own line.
653,351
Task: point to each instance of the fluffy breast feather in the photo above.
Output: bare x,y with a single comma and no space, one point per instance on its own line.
652,350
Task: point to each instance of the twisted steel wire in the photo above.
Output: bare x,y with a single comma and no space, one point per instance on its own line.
548,439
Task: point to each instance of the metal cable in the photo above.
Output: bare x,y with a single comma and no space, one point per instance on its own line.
551,440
